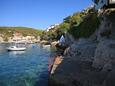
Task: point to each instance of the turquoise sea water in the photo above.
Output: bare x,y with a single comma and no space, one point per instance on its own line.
24,68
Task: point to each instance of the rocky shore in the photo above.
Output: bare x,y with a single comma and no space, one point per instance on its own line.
88,62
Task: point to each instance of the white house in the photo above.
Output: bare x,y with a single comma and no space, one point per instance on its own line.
51,27
18,37
104,3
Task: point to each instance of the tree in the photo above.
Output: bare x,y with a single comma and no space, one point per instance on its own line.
64,26
76,18
67,19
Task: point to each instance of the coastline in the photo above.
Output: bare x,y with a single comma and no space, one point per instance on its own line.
88,61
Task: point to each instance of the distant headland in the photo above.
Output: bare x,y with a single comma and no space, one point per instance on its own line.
11,34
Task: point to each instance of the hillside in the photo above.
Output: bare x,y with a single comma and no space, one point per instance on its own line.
24,30
89,59
76,25
9,31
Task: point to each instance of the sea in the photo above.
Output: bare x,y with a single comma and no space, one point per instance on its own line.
24,68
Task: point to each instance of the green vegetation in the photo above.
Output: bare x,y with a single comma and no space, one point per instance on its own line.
86,28
56,32
80,24
9,31
83,24
50,35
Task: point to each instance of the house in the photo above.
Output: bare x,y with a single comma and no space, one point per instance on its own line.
99,4
52,27
18,37
1,39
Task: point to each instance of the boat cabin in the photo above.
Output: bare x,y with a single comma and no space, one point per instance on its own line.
99,4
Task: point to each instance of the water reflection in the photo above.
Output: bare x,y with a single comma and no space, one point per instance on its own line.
2,48
46,47
16,52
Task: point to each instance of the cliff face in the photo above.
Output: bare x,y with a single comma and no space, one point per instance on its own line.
90,62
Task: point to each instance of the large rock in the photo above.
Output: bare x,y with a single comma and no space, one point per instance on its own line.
69,39
105,55
110,79
73,69
106,29
83,70
90,63
82,50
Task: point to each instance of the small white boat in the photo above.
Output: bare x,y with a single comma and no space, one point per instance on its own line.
15,48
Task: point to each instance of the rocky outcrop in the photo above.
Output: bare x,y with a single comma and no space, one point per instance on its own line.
43,42
94,66
70,38
89,62
104,55
78,58
83,50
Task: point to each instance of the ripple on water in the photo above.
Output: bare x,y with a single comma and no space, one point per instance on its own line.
25,68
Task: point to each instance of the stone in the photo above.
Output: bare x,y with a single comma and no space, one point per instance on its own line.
82,50
104,55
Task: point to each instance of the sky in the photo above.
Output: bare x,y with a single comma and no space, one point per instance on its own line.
38,14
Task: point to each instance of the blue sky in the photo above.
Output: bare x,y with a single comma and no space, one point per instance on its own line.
38,14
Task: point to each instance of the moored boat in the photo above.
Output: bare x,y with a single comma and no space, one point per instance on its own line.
16,48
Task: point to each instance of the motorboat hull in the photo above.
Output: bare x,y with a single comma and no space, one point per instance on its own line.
16,49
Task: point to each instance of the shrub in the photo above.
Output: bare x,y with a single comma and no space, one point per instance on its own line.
86,28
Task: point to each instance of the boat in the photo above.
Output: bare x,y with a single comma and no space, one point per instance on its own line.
16,48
